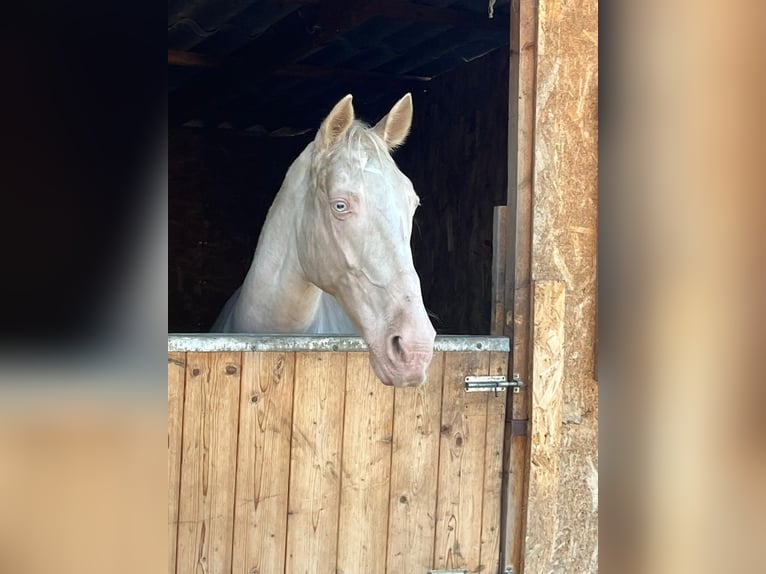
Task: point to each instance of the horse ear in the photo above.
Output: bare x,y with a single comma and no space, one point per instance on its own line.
336,123
393,128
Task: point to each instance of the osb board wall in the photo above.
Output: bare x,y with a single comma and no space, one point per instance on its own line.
564,535
221,184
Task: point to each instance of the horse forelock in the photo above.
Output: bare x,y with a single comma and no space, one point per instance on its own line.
359,143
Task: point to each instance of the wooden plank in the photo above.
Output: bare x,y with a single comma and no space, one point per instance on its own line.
315,463
516,507
366,469
414,473
461,465
547,399
499,248
263,462
521,145
493,469
176,373
208,469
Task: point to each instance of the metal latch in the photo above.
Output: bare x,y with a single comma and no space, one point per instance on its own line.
492,383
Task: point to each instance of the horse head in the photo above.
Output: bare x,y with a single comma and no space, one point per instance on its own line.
353,238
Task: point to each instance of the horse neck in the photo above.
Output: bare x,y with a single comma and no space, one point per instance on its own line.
276,296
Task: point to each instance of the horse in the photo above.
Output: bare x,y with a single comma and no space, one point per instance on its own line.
334,257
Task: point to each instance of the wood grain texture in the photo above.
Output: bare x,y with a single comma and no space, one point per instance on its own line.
176,380
521,136
547,403
491,514
208,470
461,465
305,462
315,463
565,249
366,470
516,502
499,248
263,467
414,473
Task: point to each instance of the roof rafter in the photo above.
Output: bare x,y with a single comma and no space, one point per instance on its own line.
258,61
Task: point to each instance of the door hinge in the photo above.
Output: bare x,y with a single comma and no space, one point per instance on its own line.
493,383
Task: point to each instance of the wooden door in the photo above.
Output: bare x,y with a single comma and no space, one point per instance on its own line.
304,462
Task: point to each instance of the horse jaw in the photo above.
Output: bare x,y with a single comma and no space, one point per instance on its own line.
399,334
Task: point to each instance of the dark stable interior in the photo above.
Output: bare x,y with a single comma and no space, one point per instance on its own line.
248,87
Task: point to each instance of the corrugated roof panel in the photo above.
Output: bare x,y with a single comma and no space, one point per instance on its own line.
414,36
245,27
191,22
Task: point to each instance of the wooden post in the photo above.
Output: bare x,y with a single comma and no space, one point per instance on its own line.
562,515
521,125
499,247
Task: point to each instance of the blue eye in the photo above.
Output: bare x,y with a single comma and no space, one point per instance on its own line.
340,206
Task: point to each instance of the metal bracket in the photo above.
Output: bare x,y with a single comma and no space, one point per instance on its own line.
492,383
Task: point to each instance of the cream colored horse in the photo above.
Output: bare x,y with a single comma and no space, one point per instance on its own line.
334,253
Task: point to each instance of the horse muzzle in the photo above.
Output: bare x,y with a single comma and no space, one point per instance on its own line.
404,359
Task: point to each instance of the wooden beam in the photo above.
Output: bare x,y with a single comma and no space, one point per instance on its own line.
192,59
521,122
260,58
402,10
344,74
405,10
263,57
307,113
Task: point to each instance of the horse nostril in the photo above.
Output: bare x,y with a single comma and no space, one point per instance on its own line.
396,347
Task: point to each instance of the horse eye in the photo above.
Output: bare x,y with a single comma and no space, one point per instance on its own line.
340,206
